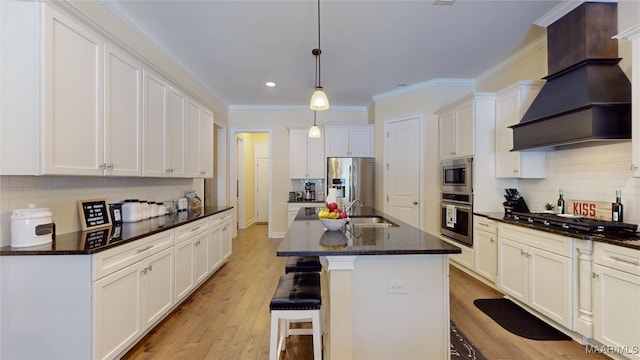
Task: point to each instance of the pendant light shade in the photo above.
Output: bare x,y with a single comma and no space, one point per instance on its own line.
319,100
314,131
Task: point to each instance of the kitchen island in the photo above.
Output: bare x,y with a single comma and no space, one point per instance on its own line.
385,286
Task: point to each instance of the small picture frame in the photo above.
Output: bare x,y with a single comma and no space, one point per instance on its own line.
94,214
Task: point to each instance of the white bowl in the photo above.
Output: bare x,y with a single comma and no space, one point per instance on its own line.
334,224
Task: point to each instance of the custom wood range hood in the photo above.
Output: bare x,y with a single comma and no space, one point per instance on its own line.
587,97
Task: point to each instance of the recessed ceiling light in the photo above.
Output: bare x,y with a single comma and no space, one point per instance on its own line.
270,84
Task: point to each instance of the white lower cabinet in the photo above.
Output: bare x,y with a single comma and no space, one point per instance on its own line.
293,208
616,298
130,298
536,268
192,253
485,244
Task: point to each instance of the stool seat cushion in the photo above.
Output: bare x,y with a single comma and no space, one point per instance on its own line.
297,291
303,264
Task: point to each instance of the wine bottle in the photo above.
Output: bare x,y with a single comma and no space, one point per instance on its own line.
616,208
560,207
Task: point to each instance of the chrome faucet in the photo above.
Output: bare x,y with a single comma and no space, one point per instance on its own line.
348,208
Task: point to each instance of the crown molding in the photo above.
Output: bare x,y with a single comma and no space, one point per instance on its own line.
523,52
425,85
293,108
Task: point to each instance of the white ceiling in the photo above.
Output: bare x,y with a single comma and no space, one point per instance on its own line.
368,47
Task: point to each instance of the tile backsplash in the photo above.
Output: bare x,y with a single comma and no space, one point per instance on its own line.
592,173
60,194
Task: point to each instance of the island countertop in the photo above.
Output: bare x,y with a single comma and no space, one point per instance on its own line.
308,237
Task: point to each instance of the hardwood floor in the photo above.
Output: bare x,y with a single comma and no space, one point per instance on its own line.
228,317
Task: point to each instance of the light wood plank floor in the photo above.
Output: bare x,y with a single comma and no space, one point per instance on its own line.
228,317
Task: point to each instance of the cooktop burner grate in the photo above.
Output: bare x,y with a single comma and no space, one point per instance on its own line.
574,223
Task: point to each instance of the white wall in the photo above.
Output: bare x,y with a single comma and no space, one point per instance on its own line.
279,121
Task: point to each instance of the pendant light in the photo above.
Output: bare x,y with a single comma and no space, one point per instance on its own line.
319,100
314,131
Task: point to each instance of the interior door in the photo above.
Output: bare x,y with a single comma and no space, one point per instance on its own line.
402,170
262,183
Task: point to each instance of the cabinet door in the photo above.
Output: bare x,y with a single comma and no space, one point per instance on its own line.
184,274
507,114
73,97
486,254
447,136
316,158
337,141
298,154
117,319
361,141
550,285
155,128
513,265
176,119
193,150
464,117
206,143
616,296
215,248
158,286
123,114
201,256
226,239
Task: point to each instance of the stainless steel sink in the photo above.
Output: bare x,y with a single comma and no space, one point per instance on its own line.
371,221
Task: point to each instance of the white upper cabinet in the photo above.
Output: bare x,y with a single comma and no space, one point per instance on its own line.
199,141
175,145
155,93
73,97
349,141
456,129
123,114
511,104
306,155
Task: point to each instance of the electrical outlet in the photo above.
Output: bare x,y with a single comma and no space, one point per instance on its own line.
397,287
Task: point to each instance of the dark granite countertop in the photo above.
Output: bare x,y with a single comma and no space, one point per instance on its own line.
623,239
93,241
308,237
306,202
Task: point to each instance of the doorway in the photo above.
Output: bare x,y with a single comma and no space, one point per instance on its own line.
251,176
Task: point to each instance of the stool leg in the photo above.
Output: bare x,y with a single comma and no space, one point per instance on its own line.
273,348
284,334
317,336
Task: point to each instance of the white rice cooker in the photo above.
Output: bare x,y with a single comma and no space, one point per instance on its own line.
31,227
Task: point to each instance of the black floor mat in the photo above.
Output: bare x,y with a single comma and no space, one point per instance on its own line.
461,347
517,320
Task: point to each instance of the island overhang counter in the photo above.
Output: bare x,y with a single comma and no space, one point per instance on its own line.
385,288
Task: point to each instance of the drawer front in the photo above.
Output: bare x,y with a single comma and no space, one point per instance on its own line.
110,261
485,224
617,257
186,231
219,218
560,245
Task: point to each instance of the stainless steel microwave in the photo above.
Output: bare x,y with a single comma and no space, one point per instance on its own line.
456,176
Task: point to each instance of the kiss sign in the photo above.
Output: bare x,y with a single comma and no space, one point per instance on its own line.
590,209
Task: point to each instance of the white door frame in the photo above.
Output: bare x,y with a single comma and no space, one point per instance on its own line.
240,179
233,174
257,152
385,151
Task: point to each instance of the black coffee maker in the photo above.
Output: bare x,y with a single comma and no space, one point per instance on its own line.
310,191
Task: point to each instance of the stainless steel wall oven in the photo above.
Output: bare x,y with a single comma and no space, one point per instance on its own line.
456,206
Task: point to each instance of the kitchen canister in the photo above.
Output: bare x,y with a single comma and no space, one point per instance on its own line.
131,210
31,226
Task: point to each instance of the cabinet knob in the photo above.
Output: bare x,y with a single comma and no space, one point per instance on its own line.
594,276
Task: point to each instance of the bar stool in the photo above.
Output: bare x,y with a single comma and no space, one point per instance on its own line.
303,264
297,297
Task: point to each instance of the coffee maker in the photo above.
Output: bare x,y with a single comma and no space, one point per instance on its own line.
309,191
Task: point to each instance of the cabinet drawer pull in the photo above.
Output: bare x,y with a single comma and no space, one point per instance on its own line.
594,276
483,224
635,263
195,228
145,249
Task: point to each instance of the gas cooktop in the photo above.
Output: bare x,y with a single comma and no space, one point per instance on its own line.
573,222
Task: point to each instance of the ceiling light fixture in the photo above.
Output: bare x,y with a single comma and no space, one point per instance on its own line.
319,99
314,131
270,84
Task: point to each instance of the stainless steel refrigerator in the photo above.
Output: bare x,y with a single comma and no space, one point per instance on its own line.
353,178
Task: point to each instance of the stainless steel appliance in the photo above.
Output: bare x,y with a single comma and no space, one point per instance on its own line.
577,224
310,191
353,178
456,206
456,178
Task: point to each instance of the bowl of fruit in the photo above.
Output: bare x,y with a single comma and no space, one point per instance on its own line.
332,217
